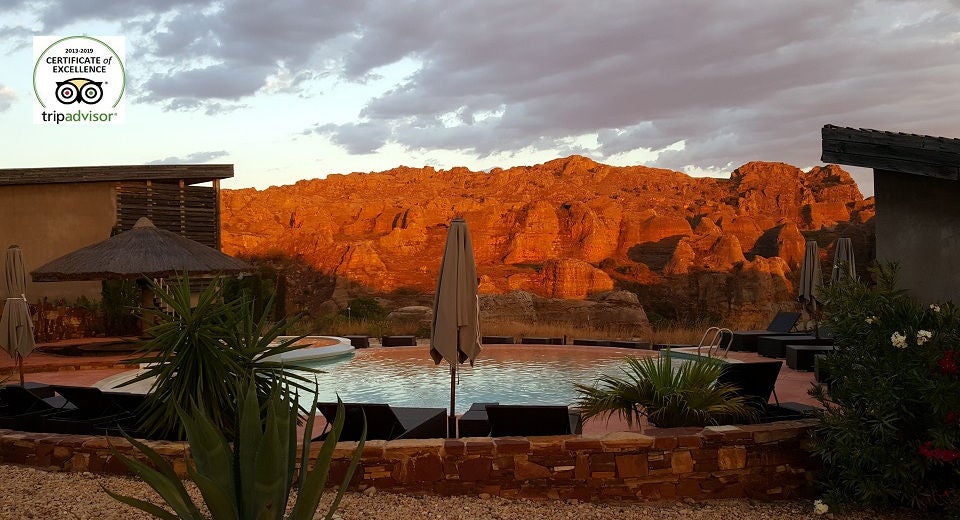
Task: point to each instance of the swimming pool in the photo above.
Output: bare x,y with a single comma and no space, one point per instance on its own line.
406,376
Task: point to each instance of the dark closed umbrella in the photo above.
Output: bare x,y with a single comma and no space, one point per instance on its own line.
143,251
810,281
844,264
455,334
16,326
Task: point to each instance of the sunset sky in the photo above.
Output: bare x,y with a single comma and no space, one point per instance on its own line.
293,89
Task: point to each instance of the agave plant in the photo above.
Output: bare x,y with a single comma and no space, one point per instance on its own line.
253,478
668,396
199,349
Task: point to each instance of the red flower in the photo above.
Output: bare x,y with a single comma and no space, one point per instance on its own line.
947,363
941,454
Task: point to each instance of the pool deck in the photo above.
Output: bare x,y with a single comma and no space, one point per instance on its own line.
43,367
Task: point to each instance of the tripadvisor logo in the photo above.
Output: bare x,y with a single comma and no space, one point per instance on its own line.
78,79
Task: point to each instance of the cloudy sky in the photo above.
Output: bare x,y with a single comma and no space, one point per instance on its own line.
292,89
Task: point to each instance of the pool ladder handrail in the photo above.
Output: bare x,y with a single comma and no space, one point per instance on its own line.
716,341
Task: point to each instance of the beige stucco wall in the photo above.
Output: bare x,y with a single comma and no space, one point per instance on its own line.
50,220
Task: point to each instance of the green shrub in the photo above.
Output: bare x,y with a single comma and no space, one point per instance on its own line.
364,308
253,477
668,396
890,431
198,351
119,301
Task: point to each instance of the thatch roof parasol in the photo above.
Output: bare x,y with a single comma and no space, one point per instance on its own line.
144,251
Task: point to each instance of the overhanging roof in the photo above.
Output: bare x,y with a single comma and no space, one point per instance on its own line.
892,151
190,173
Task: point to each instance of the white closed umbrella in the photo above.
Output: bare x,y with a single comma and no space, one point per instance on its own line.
16,326
455,334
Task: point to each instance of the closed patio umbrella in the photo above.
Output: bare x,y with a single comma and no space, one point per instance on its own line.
844,264
810,279
455,334
16,327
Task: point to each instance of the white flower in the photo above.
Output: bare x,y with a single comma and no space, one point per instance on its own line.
934,307
898,340
820,508
871,320
923,336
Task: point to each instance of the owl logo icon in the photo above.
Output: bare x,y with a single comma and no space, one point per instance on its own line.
79,90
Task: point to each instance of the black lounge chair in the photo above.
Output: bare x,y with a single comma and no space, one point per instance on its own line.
775,345
526,420
474,422
22,410
757,382
92,412
386,422
782,324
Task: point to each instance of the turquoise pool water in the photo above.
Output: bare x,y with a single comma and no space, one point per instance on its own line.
406,376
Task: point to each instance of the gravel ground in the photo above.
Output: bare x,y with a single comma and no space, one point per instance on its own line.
31,493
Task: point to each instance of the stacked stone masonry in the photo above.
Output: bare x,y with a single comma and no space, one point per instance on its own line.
766,461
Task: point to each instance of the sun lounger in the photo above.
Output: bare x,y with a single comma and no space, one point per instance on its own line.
91,411
22,410
385,422
526,420
782,324
775,346
757,382
474,422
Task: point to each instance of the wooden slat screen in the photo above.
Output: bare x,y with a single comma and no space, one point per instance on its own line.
190,211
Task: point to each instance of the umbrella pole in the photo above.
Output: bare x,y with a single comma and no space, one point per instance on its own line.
20,367
452,420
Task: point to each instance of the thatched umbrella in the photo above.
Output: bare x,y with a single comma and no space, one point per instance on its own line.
144,251
455,334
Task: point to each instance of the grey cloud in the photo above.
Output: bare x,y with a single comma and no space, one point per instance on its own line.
359,138
7,97
193,158
735,81
215,81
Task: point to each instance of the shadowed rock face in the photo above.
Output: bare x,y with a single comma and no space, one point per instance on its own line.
564,229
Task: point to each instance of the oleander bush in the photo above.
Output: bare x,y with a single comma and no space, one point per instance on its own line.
889,434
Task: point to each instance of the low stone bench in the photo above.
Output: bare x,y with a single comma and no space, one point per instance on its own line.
497,340
538,340
591,342
359,341
398,341
622,343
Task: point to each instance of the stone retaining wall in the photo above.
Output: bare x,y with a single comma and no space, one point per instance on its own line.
758,461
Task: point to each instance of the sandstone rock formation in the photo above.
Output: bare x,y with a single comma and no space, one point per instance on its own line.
566,229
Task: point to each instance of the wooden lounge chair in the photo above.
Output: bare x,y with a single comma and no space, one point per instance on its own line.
385,422
525,420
